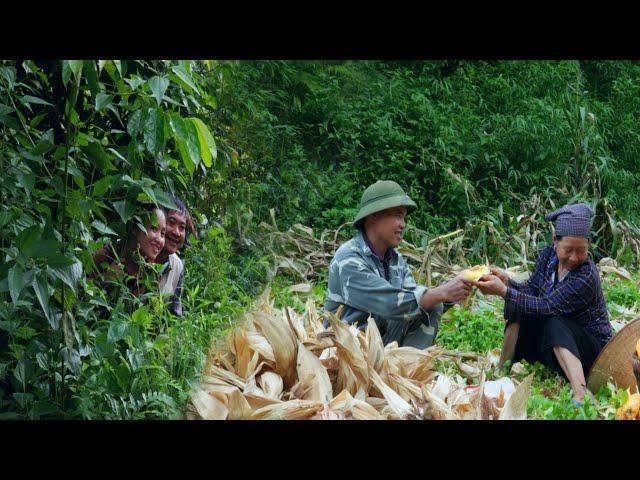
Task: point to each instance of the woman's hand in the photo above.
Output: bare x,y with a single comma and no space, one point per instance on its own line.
501,274
491,285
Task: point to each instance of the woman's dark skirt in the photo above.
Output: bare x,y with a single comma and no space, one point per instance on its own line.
538,336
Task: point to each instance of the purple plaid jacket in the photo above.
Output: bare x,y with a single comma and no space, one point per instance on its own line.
578,296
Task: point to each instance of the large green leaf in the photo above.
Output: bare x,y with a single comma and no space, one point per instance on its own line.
193,142
41,287
21,372
164,200
28,239
124,209
179,128
208,149
4,109
118,64
134,83
184,78
9,121
136,122
42,147
35,100
69,274
76,68
49,249
69,68
102,228
99,156
154,131
15,277
9,76
59,260
103,101
158,86
4,218
27,181
117,330
91,73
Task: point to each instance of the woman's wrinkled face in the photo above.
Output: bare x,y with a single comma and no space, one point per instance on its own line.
152,243
571,251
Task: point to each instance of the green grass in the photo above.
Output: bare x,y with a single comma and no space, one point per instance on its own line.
470,331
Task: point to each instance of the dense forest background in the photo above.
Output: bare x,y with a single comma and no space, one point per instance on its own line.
86,145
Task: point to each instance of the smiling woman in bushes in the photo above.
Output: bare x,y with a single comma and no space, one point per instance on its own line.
125,261
558,317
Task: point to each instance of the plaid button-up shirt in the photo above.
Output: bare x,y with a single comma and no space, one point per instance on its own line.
578,296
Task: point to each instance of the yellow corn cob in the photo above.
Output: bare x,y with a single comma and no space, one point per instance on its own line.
475,273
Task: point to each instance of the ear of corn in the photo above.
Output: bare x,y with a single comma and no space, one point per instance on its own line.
476,272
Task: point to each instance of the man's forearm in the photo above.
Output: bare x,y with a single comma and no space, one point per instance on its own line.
432,297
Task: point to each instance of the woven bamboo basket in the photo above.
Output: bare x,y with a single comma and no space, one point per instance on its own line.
615,361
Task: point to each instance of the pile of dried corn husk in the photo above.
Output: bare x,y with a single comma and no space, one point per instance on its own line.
284,365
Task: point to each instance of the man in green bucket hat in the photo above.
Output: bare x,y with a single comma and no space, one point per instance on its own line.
371,278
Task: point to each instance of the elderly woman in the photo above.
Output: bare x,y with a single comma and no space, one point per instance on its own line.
558,317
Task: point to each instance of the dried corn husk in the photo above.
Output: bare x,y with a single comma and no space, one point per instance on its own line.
312,373
238,406
468,371
283,342
271,384
396,404
374,346
350,352
291,410
328,414
516,406
209,406
260,345
303,288
436,408
244,353
296,323
631,409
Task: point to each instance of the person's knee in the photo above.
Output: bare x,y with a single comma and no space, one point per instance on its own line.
551,326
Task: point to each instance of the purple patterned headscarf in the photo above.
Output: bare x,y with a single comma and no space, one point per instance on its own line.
572,220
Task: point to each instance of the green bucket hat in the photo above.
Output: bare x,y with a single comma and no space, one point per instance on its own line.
382,195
